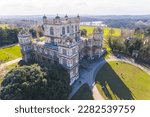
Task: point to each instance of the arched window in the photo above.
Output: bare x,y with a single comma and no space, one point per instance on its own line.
51,31
68,30
63,30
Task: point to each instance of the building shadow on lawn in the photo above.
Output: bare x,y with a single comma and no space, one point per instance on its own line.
107,76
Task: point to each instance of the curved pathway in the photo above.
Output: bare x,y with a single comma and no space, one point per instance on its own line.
96,94
9,63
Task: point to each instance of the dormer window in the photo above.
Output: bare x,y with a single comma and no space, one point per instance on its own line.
63,30
51,31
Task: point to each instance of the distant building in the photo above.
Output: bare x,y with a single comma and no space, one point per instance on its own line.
95,23
62,44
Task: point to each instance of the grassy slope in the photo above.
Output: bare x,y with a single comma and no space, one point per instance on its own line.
123,81
84,93
10,53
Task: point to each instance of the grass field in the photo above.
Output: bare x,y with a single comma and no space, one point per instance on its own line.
84,93
42,39
117,31
4,26
9,53
123,81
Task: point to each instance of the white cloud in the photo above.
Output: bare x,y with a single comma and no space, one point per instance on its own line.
92,7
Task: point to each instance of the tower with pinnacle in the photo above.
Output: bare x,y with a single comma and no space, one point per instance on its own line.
24,38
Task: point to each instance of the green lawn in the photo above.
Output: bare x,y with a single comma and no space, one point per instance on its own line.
9,53
4,26
117,31
88,28
123,81
84,93
42,38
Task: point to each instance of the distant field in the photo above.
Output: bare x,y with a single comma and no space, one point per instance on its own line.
4,26
123,81
9,53
84,93
117,31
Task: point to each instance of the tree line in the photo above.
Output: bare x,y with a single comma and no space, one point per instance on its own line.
138,40
8,36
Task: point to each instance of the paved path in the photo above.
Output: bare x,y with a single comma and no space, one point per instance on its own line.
9,63
88,75
96,94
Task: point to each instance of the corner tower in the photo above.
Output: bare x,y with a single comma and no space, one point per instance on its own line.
24,38
97,41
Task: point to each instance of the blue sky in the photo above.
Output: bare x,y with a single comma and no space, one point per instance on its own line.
82,7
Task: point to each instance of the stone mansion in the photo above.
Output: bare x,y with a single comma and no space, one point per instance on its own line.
63,44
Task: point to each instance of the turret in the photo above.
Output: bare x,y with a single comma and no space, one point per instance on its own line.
24,38
66,17
57,19
97,41
98,35
78,16
44,19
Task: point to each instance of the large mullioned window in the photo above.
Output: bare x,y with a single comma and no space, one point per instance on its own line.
63,30
68,30
51,31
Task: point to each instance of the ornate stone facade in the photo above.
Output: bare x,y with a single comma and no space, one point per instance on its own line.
62,45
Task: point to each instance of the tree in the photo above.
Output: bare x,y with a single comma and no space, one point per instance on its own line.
144,53
111,32
84,32
147,32
8,36
33,32
34,83
117,45
138,33
135,45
